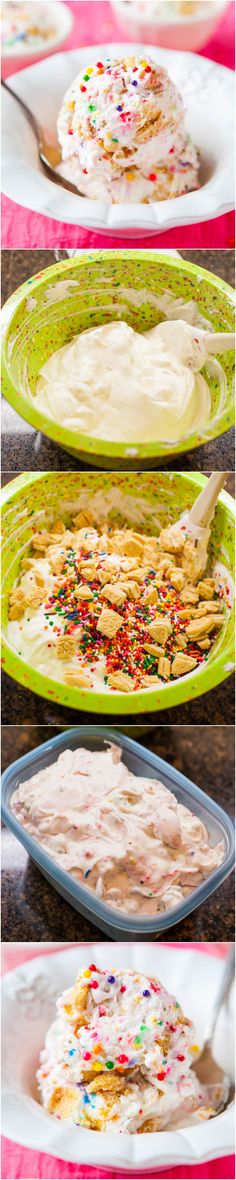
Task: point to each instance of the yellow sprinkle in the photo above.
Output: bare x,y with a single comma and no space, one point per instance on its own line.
70,106
98,1066
87,974
153,1019
143,63
129,175
90,71
194,1049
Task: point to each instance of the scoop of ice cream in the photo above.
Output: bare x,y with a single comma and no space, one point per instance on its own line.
23,24
122,133
120,1054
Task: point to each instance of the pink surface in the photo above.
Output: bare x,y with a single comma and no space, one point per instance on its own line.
21,1164
23,229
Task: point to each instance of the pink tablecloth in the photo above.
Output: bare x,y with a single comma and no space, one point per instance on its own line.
21,1164
94,23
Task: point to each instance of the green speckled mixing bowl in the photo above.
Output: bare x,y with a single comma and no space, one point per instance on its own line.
61,301
32,501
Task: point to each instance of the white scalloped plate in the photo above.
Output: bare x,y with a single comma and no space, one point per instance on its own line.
208,92
28,1003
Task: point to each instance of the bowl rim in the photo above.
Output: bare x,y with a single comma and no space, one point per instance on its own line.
192,19
172,693
65,22
77,441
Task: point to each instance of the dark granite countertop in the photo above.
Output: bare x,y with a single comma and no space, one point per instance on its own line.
24,449
31,908
21,705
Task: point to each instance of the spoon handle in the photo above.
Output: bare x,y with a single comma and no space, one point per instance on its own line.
29,115
227,977
202,510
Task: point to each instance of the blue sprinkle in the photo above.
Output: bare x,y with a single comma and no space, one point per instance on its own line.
71,1052
134,83
86,1099
87,872
111,979
119,108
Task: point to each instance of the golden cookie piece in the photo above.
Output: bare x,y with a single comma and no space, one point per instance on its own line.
154,649
176,577
41,541
83,593
164,667
56,562
182,664
149,681
151,596
206,587
114,594
77,679
34,597
209,607
83,520
109,622
190,595
62,1101
160,629
172,540
199,628
88,569
58,527
17,611
131,589
121,681
66,647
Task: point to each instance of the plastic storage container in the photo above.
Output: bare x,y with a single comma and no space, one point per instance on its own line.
116,924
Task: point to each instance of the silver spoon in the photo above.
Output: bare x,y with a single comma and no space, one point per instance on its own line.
49,154
206,1068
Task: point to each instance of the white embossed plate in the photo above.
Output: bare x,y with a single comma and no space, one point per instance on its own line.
208,92
28,1003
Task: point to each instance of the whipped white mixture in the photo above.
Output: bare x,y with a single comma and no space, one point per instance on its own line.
119,1055
125,837
120,385
122,132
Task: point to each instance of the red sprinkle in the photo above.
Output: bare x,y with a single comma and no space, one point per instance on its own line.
99,65
122,1058
86,1056
161,1075
180,1057
152,176
94,984
92,967
122,989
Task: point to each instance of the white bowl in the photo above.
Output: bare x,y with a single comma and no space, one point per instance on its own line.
62,20
29,995
208,92
181,32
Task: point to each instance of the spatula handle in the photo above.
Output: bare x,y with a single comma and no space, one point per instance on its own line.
202,511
